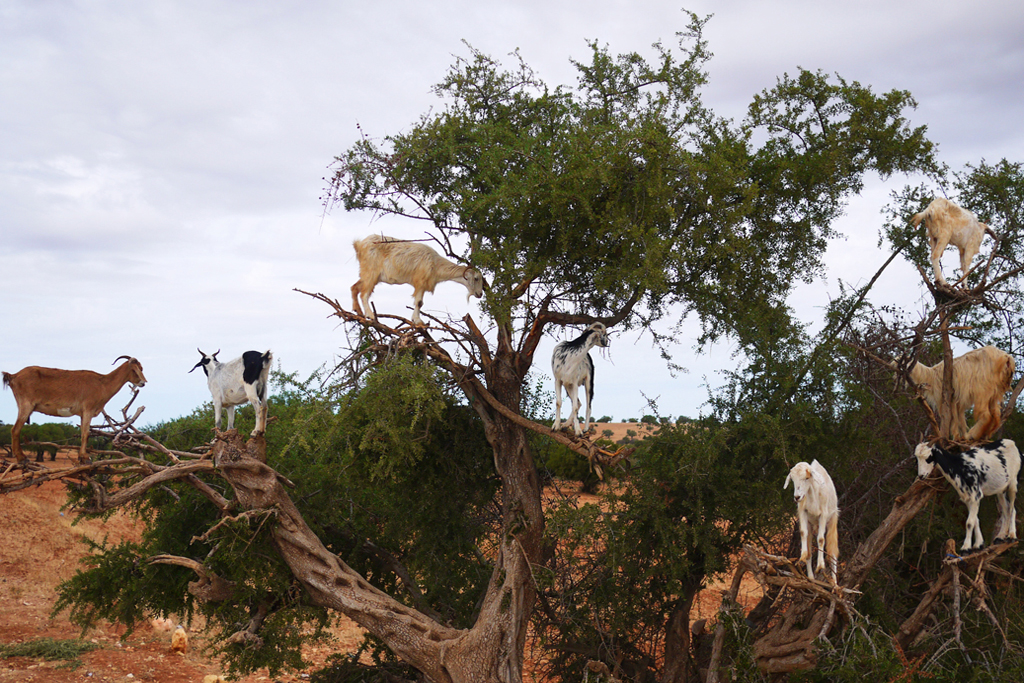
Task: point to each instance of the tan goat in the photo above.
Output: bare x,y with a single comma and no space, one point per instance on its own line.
63,393
396,262
980,379
947,224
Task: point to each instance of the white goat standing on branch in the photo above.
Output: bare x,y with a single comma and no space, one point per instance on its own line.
237,382
397,262
817,504
63,393
980,380
946,223
572,367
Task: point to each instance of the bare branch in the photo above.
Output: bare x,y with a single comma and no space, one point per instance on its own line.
209,588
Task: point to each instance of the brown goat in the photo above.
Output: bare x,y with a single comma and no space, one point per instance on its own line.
946,223
63,393
397,262
980,379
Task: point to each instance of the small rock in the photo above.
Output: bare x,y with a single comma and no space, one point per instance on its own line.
179,640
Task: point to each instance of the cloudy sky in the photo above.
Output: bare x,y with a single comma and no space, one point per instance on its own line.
161,162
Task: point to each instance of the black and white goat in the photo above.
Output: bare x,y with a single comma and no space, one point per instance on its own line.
572,367
237,382
987,470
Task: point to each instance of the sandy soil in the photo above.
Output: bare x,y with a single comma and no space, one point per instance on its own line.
620,430
41,548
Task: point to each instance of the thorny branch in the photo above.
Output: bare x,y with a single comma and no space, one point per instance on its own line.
474,345
121,465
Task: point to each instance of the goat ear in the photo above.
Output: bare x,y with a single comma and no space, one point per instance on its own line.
788,478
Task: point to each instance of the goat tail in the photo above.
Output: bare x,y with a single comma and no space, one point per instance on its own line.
7,379
832,538
983,431
1006,373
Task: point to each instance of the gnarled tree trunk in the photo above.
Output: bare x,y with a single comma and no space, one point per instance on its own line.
490,651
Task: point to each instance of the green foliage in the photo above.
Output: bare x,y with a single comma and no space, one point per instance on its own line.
676,206
862,648
865,647
60,433
398,405
662,537
347,668
374,469
120,586
561,462
48,649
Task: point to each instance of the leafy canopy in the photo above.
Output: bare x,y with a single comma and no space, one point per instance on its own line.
626,195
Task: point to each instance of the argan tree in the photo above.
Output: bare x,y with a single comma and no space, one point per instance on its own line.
624,201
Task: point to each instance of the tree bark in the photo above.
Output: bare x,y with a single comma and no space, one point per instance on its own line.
330,582
500,631
677,639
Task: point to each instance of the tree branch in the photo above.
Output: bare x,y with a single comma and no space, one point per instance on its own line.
209,588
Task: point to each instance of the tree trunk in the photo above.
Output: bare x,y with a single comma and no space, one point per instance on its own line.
677,639
490,651
499,635
330,582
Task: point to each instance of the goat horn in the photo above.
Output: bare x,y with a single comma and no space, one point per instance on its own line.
120,357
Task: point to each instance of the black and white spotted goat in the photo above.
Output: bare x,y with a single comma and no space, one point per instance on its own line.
572,367
987,470
237,382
